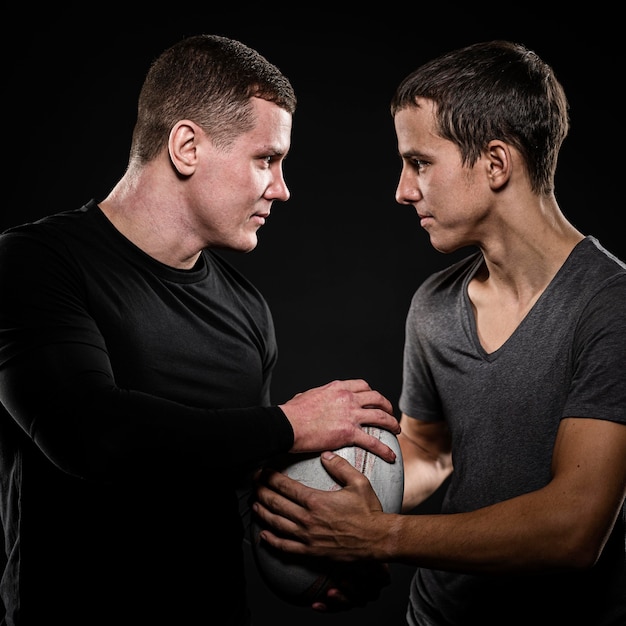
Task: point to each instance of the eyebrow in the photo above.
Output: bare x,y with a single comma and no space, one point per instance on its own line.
271,150
412,153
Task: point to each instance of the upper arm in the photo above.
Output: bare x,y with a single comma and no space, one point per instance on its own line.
427,458
589,471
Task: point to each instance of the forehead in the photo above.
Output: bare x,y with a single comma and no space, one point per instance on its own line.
416,123
272,124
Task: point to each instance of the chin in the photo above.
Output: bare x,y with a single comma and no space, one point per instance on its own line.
441,246
249,247
446,247
237,246
246,242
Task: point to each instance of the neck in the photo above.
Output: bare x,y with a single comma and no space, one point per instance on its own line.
150,220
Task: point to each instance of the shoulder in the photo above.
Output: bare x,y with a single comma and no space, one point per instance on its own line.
55,247
51,228
593,258
592,274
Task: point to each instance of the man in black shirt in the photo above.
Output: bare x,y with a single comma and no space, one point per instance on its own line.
135,363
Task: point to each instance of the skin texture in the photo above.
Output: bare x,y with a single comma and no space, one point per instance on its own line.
195,195
525,239
226,195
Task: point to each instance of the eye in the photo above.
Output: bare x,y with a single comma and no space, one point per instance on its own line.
268,159
418,164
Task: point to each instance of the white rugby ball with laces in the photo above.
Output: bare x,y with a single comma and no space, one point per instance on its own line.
302,580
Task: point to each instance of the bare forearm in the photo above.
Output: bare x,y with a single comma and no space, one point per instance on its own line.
525,534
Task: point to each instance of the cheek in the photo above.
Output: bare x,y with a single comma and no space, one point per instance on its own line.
454,197
453,182
440,188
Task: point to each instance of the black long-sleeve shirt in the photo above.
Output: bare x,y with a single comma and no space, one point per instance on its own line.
136,399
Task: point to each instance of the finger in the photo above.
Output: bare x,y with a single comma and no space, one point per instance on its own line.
290,489
273,509
272,522
284,544
355,384
371,398
341,470
320,607
283,497
374,445
277,531
337,600
381,417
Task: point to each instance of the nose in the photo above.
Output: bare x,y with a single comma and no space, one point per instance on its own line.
407,191
278,189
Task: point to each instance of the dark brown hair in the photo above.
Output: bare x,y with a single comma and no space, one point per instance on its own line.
494,90
210,80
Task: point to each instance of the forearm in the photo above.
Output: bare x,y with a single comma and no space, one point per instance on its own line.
538,531
68,403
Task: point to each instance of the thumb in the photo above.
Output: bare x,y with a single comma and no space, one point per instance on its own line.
339,468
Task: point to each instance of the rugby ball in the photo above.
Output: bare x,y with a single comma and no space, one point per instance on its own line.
301,580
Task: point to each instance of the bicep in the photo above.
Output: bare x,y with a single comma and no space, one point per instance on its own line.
589,469
427,458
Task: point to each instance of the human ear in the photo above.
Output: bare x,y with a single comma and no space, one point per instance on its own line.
183,146
499,162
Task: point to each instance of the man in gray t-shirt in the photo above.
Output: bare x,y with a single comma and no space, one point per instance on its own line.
503,409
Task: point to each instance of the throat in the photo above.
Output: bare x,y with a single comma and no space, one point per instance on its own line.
496,319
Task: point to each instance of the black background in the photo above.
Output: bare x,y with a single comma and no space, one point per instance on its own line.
339,262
